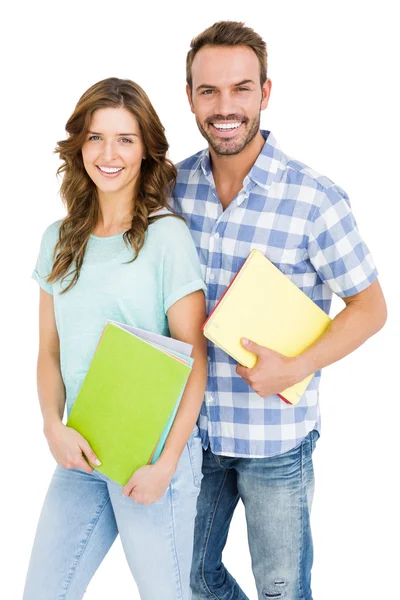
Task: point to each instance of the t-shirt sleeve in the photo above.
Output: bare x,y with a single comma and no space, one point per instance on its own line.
336,249
44,264
181,266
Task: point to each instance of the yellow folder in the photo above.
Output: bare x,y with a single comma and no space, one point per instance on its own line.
264,306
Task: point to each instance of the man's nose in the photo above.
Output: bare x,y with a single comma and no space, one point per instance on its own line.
225,104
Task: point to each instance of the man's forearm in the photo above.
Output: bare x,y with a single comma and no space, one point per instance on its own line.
359,320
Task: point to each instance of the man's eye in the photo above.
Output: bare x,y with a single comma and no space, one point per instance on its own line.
242,89
207,92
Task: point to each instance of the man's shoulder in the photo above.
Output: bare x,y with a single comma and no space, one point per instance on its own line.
189,163
305,175
317,189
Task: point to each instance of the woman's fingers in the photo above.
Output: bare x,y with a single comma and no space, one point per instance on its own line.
83,465
88,452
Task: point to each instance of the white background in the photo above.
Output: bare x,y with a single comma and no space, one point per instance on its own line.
334,105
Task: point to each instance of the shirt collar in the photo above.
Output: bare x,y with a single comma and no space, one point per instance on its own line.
263,171
203,163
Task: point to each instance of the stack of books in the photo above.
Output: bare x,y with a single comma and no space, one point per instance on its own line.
129,398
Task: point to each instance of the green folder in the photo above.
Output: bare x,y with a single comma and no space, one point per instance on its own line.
130,392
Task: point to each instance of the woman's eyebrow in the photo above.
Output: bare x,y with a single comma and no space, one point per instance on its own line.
97,133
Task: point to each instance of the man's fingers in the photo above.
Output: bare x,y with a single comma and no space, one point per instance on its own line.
243,372
257,349
251,346
240,370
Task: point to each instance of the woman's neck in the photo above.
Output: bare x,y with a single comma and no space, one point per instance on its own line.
115,213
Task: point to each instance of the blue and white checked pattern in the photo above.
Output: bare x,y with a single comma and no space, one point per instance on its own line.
303,223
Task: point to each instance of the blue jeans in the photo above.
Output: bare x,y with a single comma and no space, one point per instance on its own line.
277,495
82,515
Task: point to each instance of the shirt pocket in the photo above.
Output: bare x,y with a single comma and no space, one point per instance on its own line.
290,261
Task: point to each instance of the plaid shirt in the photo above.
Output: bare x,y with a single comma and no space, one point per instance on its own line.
303,223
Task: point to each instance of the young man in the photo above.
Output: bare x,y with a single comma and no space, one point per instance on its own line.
242,193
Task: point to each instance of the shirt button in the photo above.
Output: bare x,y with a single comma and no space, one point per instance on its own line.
210,399
208,358
216,235
211,277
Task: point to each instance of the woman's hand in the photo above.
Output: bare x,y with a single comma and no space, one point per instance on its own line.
150,482
68,447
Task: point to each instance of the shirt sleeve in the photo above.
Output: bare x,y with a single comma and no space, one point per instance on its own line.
44,264
336,249
181,266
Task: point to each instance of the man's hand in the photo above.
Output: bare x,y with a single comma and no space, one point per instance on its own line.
273,372
149,483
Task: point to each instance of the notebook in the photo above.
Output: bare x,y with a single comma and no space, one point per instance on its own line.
129,398
182,351
263,305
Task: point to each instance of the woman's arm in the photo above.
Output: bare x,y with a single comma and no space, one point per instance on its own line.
185,319
49,381
66,444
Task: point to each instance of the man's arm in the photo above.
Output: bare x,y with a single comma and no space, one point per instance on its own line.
363,316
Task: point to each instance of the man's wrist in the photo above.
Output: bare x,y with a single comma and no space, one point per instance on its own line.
302,367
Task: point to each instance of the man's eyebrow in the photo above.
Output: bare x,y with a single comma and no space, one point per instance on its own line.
204,86
243,82
96,133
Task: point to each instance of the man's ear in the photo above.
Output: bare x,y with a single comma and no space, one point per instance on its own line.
189,95
266,92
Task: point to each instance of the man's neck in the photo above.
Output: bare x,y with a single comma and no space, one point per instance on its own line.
230,171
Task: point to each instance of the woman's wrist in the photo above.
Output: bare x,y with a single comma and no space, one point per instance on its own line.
168,460
51,425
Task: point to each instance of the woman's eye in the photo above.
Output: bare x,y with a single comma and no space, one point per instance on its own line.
94,138
126,140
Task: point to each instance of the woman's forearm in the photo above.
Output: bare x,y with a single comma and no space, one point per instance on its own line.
189,407
51,389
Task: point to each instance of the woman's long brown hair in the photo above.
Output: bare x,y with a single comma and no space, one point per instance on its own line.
78,192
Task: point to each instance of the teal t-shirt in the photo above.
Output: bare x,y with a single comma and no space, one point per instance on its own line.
109,287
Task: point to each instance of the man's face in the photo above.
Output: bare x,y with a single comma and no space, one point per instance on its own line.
227,97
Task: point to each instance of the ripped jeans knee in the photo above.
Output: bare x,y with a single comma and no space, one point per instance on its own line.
275,590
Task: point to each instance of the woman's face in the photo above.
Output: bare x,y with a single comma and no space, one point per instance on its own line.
113,151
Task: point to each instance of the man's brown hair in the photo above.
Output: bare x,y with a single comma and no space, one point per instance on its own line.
228,33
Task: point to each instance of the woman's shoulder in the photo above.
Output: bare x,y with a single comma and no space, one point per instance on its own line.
53,228
169,226
50,235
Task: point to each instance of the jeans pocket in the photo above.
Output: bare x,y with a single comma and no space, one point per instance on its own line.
195,431
195,456
314,436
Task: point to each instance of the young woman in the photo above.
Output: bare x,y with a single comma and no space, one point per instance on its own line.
118,254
